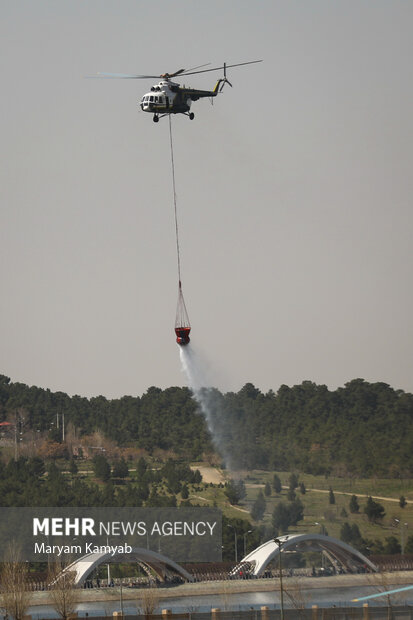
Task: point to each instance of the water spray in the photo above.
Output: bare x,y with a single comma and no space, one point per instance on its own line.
208,398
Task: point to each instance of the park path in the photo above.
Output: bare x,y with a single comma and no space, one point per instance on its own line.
349,493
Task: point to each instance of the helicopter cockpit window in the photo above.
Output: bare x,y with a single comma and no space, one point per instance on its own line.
151,98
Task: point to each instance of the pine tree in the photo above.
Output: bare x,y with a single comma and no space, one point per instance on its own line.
293,481
258,507
141,468
232,492
354,506
374,511
101,467
73,467
120,469
291,496
276,484
346,532
184,491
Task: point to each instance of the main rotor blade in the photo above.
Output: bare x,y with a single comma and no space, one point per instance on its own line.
198,67
184,71
123,76
127,76
239,64
170,75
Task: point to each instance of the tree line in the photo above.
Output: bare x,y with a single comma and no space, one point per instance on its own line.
360,429
33,482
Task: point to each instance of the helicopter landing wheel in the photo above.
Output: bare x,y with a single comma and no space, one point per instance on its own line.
191,116
155,118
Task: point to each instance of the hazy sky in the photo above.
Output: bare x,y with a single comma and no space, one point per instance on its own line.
294,194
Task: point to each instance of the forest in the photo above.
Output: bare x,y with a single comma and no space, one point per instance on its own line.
361,429
34,482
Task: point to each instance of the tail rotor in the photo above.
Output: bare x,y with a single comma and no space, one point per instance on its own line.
224,79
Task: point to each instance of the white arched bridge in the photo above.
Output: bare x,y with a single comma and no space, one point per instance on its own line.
339,553
162,566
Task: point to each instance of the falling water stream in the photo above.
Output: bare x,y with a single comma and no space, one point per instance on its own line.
197,375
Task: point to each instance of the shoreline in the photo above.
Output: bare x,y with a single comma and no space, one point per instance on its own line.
106,595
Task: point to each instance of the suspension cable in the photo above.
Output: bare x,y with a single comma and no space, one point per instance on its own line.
175,209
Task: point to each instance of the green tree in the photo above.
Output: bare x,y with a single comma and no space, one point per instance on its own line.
267,489
296,511
197,477
142,491
376,547
402,501
281,519
120,469
374,511
409,545
184,491
354,506
291,495
285,515
346,533
232,492
101,467
356,538
392,546
293,481
303,490
242,491
258,507
141,468
331,497
351,535
73,467
276,484
36,466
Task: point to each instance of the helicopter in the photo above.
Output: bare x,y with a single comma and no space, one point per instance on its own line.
168,97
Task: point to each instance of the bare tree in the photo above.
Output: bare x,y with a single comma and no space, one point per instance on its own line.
383,582
149,601
15,593
62,589
299,597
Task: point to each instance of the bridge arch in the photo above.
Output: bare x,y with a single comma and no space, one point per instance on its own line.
338,552
164,567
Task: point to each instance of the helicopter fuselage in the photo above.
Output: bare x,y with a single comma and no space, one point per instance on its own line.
171,98
167,97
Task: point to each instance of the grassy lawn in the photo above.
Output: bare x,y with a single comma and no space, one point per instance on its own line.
318,512
383,487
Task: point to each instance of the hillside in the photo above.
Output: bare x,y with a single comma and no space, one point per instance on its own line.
361,429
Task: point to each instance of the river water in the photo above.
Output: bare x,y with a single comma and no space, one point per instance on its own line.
323,597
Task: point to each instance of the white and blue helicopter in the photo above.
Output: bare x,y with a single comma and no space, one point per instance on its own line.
168,97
